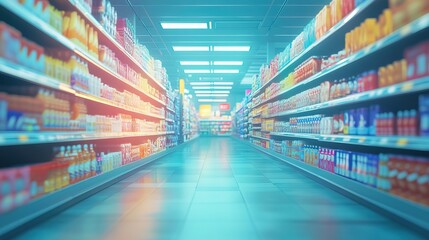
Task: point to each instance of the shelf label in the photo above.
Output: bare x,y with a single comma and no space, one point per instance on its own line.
391,89
384,141
402,142
346,139
407,86
361,139
23,138
405,30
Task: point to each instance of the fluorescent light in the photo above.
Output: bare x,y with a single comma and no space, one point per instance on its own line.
196,71
211,87
226,71
211,95
200,83
223,83
196,63
228,63
212,83
211,100
213,91
183,25
231,48
190,48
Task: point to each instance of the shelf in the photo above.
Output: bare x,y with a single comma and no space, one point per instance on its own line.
170,133
256,128
390,91
20,72
44,27
16,220
169,120
398,142
401,34
25,138
266,139
120,49
407,211
214,120
360,10
171,110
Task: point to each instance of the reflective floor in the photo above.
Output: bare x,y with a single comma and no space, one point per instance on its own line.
218,188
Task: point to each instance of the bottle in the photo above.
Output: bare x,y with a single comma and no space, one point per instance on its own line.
93,158
87,162
72,164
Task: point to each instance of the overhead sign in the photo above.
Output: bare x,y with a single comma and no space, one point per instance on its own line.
205,111
224,107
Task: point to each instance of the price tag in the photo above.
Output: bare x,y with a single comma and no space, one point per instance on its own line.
402,142
346,139
23,138
384,141
361,139
407,86
2,139
391,89
405,30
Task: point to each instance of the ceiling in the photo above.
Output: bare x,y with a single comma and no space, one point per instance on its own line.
267,26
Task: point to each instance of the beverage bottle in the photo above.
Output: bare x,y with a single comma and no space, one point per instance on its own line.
87,162
93,158
72,163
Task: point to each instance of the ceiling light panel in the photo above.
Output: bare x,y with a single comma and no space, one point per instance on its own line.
226,71
223,83
211,100
190,48
201,83
231,48
213,91
176,25
194,63
211,87
196,71
212,95
227,63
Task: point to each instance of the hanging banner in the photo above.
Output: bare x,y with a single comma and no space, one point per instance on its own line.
224,107
205,111
182,86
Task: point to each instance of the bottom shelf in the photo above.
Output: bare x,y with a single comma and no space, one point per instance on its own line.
406,211
11,222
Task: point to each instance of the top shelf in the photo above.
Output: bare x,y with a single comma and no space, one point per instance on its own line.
121,50
341,26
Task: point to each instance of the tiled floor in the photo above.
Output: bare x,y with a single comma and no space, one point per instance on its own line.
218,188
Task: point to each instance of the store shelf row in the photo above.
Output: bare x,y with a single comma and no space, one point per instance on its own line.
24,138
402,209
22,73
263,138
361,10
401,34
390,91
398,142
171,110
120,49
34,21
13,221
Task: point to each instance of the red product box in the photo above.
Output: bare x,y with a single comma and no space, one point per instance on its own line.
418,61
7,193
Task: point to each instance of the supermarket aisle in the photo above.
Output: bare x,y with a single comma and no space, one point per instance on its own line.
218,188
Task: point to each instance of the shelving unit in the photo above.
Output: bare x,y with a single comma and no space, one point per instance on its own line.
136,131
296,129
408,211
215,127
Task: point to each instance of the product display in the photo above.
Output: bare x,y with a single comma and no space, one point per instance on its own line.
79,81
320,106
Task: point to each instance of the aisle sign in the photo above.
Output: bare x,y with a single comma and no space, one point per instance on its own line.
224,107
205,111
182,86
